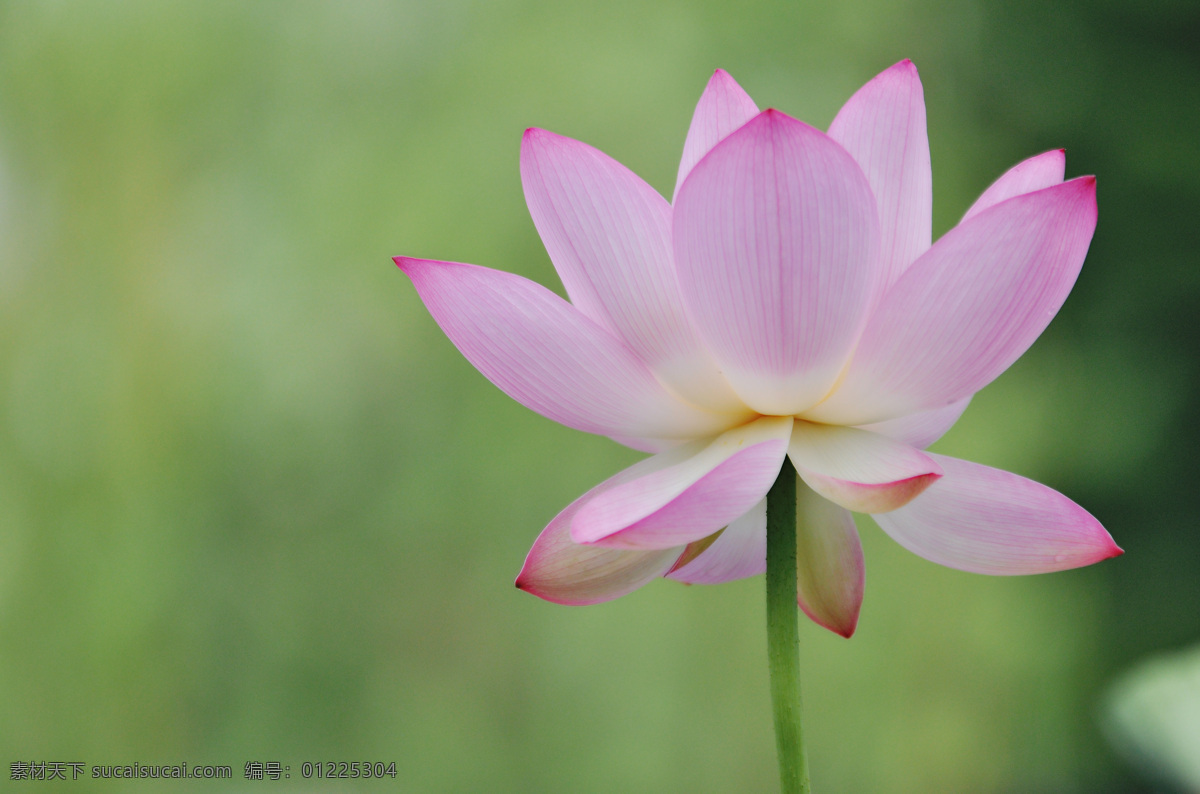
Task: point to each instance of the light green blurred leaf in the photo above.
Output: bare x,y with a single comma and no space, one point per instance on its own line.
1153,715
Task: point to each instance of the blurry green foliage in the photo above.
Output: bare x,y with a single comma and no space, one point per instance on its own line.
254,506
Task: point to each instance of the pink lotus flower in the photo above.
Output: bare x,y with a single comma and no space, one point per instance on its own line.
787,303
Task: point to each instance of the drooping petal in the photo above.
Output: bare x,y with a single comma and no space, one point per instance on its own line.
921,429
985,520
608,234
539,350
829,562
859,470
883,127
775,243
1042,171
968,308
705,486
739,551
560,570
723,107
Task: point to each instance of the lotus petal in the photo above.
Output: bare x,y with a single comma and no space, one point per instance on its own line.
857,469
883,127
723,107
1042,171
542,352
829,562
608,234
736,552
703,487
985,520
968,308
776,237
921,429
560,570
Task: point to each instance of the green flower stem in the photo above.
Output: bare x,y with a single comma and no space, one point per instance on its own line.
783,633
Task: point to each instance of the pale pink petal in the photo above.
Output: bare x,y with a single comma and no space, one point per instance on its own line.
651,445
707,485
739,551
1043,171
985,520
539,350
609,236
883,127
921,429
560,570
968,308
723,107
775,244
829,562
859,470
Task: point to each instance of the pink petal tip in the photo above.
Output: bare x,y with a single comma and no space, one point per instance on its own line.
841,629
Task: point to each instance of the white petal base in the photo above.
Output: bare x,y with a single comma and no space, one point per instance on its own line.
859,470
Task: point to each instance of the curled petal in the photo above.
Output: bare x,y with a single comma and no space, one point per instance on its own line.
723,107
968,308
609,236
859,470
737,552
829,563
558,569
775,236
702,487
985,520
921,429
539,350
1042,171
883,127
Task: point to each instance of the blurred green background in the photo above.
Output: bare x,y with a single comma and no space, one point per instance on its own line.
254,506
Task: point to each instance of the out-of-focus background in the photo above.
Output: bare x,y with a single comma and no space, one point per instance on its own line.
255,507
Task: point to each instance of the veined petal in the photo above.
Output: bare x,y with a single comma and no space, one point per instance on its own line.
829,562
985,520
883,127
560,570
739,551
723,107
968,308
539,350
608,234
921,429
1042,171
705,486
859,470
775,244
